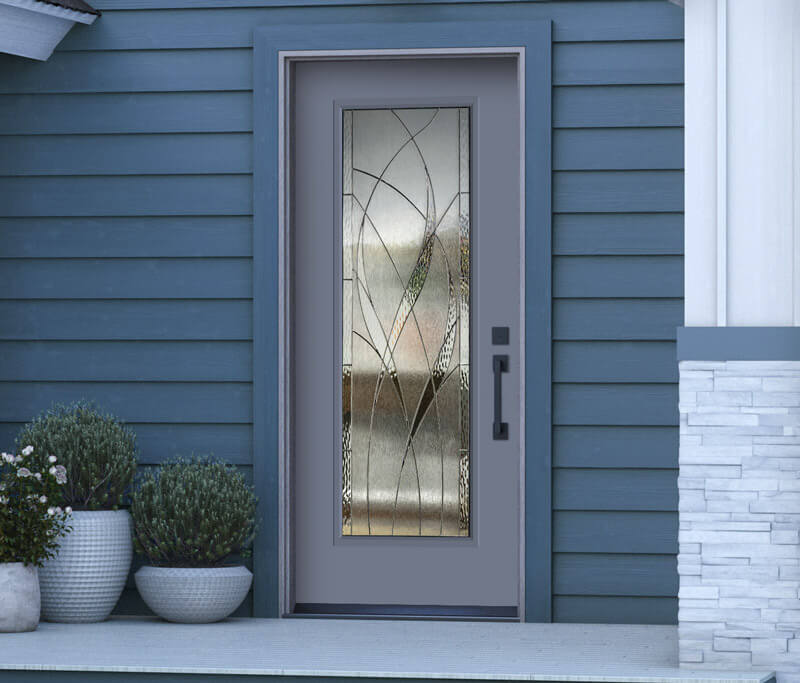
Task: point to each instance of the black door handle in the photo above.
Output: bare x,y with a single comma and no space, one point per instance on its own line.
499,428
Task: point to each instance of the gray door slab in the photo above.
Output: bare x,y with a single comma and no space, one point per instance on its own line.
477,573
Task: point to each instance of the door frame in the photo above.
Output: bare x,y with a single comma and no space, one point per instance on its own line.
276,48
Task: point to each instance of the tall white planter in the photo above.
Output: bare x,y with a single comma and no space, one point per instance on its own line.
19,597
82,584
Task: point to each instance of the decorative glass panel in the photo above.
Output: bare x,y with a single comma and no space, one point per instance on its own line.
405,319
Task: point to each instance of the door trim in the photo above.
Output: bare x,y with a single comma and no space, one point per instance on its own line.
276,47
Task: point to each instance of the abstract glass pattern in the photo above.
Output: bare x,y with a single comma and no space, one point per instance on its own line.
406,322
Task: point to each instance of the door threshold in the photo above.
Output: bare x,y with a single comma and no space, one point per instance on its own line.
404,612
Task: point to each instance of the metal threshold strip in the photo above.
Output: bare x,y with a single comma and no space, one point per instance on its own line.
405,612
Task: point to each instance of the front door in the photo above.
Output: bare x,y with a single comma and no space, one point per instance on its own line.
405,309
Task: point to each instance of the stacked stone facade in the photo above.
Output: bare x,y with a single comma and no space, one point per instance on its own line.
739,483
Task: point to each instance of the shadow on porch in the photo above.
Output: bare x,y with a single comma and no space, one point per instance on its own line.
146,649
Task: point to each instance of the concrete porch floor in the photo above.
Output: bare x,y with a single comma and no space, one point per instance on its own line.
336,649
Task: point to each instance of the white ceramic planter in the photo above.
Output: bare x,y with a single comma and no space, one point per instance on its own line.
193,595
84,581
19,597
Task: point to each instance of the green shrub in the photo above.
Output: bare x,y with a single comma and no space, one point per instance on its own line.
30,521
98,452
193,513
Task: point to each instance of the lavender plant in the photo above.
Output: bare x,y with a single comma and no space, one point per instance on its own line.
30,520
98,452
193,513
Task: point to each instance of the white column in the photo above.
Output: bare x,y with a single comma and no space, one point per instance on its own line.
742,163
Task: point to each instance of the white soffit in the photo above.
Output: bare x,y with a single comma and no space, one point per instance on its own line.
31,28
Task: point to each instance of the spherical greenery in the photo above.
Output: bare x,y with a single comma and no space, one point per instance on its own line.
98,452
31,521
193,513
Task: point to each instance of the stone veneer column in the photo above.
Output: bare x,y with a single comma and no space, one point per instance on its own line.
739,484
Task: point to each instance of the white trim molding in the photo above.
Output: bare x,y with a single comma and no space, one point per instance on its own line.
30,28
742,147
722,162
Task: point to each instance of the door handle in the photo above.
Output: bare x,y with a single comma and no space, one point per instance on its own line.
499,428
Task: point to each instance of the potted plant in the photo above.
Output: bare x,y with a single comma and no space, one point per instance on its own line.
188,518
83,582
30,525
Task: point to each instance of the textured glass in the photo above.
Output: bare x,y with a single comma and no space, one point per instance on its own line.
405,320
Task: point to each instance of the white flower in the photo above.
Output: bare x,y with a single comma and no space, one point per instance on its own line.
52,470
68,510
58,510
3,500
51,458
23,472
51,511
42,499
8,457
18,458
61,474
27,450
38,476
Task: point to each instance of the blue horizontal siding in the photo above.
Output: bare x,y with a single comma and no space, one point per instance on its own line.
163,278
593,531
623,319
614,446
231,69
617,234
612,63
126,245
130,71
188,153
225,153
108,195
126,237
232,112
626,610
611,106
189,28
147,112
112,319
607,489
126,361
604,361
159,442
601,574
150,402
606,277
617,191
615,404
603,149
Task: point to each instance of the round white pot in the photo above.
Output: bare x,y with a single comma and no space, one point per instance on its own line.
84,581
19,597
193,595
